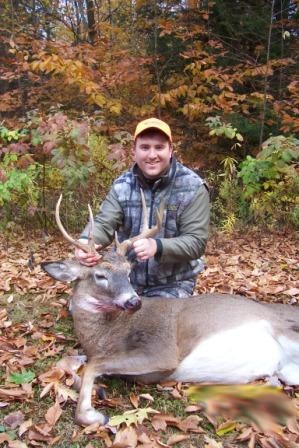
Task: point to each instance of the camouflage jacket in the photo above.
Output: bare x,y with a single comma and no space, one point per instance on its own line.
184,231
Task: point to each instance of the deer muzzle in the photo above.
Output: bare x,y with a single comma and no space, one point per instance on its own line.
132,303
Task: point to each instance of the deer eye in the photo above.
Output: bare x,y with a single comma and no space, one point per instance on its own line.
100,279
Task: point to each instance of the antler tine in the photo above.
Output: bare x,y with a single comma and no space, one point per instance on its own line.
122,247
91,242
159,216
76,243
153,231
144,226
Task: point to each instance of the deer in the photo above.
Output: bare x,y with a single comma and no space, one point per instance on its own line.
211,338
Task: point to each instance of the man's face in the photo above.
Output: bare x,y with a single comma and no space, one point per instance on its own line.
152,153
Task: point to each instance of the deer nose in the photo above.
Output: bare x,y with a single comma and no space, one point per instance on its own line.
133,304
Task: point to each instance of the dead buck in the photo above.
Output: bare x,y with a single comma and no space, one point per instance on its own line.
215,338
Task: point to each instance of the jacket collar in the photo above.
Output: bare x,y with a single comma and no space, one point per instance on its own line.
158,183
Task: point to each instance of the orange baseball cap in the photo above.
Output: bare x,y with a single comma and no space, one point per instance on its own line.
155,123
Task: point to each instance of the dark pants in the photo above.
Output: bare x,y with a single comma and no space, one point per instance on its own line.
176,290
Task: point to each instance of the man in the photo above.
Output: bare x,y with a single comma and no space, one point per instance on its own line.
168,264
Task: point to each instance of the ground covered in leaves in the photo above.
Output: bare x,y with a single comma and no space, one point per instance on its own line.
40,359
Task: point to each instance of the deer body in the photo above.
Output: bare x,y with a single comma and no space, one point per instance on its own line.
214,338
211,338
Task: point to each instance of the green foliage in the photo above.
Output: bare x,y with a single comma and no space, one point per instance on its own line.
226,205
8,136
263,190
22,378
250,126
222,129
18,185
270,182
64,143
59,154
132,417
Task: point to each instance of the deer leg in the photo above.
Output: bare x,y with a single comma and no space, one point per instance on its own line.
289,373
85,413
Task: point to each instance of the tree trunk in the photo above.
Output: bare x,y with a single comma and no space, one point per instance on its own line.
266,75
92,33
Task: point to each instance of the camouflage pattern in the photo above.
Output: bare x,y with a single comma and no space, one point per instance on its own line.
176,190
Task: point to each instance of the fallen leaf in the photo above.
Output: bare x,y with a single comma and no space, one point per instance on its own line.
13,420
37,436
160,421
292,292
246,434
176,394
91,429
225,428
24,427
125,438
63,393
132,417
14,392
134,400
3,404
211,443
17,444
177,439
293,425
46,389
193,408
53,414
190,424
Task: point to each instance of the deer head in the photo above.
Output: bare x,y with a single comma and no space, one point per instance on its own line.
104,287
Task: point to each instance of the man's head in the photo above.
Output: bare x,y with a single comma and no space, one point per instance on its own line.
152,147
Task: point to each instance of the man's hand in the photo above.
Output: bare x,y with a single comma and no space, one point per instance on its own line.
145,248
85,258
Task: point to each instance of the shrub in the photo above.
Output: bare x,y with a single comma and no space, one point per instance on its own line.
270,182
57,155
262,190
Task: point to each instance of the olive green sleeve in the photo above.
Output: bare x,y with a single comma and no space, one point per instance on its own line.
193,231
106,221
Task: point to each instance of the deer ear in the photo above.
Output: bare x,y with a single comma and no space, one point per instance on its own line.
62,270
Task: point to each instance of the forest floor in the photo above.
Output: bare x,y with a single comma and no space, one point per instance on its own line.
38,350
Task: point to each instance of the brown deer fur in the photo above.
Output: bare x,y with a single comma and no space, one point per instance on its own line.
213,338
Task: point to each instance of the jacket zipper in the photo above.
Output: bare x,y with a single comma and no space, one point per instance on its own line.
150,225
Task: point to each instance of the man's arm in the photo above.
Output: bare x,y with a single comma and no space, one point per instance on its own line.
193,228
106,221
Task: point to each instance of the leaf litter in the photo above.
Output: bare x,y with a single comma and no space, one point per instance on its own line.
40,359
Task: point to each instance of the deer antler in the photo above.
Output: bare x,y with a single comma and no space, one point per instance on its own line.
88,248
121,248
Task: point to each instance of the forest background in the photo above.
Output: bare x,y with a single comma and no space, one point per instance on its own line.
77,75
75,78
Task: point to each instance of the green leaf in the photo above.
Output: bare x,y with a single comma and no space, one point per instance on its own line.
225,428
21,378
132,417
230,133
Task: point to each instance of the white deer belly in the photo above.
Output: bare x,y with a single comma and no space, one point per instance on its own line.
238,355
288,371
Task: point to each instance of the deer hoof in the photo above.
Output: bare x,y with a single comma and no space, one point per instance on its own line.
90,416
